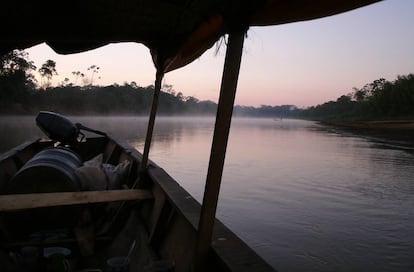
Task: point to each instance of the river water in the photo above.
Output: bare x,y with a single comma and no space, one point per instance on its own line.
304,196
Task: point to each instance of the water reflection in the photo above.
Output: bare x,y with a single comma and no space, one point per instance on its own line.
17,130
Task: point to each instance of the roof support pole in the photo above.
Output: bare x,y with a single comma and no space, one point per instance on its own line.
151,122
218,148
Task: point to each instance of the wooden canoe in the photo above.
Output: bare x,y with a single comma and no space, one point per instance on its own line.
158,221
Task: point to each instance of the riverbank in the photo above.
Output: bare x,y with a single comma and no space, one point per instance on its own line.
401,125
396,130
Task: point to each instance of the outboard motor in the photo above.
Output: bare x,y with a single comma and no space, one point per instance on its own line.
57,127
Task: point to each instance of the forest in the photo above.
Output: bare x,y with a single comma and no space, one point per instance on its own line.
378,100
20,93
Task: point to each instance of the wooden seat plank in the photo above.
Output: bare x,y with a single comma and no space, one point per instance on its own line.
17,202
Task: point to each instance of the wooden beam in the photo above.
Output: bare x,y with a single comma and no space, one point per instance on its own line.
218,147
41,200
157,90
52,242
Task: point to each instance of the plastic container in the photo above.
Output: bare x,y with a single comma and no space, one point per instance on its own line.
50,170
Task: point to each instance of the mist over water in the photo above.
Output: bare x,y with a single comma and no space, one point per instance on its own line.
304,196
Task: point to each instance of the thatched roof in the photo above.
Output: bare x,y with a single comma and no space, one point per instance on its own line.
176,31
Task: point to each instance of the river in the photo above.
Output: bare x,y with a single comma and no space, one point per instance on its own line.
304,196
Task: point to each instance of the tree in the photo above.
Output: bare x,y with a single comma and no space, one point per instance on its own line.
15,76
180,96
14,61
65,82
359,94
95,70
47,70
77,74
167,88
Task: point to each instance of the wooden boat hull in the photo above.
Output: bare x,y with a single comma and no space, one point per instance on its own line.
160,218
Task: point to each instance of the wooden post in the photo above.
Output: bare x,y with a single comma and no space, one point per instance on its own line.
218,148
151,122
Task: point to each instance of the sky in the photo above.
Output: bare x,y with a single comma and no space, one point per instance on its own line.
303,64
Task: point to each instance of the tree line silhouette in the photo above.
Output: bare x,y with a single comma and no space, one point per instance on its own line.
20,93
378,100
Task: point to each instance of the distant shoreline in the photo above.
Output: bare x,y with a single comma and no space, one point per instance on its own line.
406,125
396,130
